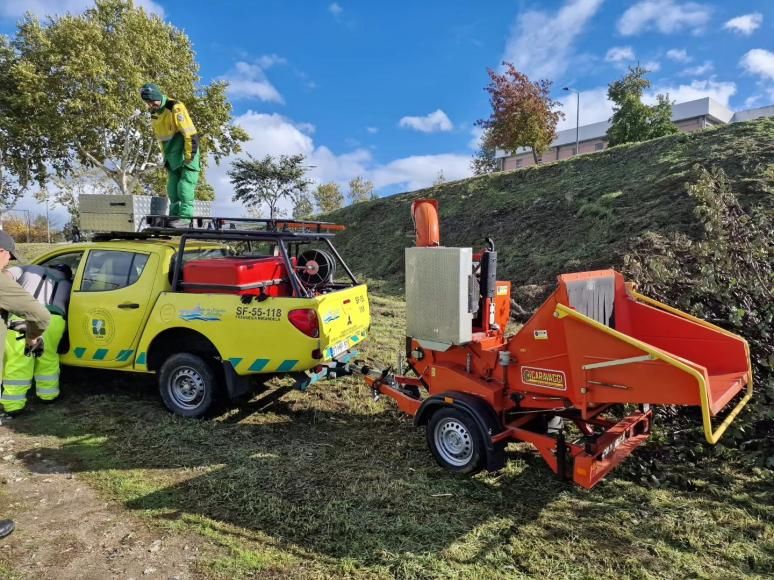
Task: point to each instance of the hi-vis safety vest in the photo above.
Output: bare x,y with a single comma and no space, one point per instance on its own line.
176,132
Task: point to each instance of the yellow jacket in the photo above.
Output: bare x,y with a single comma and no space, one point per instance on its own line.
173,127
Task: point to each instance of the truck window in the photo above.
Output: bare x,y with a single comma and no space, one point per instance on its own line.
111,270
71,259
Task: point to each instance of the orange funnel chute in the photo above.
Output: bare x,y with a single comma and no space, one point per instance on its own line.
425,215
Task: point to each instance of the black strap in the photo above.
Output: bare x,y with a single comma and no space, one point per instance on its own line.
53,291
40,285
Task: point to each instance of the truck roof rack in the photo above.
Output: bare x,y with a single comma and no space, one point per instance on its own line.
159,228
143,235
157,223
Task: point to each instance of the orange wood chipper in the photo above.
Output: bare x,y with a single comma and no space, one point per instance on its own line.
595,347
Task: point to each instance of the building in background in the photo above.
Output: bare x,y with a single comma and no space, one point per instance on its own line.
689,116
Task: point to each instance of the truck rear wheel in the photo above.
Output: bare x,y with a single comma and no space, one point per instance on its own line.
188,385
455,441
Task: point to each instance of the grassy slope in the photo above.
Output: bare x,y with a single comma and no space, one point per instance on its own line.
571,215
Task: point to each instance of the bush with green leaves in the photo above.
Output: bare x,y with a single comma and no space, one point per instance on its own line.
727,278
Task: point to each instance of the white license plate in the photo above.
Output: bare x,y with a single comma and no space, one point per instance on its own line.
338,348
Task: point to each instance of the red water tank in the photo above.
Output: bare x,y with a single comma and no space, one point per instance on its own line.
237,276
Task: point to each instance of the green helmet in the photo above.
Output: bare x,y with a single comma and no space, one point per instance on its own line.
151,92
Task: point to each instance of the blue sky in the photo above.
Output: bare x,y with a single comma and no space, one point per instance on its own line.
391,90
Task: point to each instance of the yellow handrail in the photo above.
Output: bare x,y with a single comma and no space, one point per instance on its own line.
711,437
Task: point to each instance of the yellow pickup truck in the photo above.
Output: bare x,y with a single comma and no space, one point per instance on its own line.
214,312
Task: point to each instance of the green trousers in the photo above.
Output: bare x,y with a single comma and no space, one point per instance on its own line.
20,370
181,187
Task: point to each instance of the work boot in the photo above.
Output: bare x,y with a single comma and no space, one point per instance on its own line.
178,223
10,414
6,527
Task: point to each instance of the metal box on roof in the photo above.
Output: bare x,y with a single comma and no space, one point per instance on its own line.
125,213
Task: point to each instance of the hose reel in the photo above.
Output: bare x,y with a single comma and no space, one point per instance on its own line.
315,268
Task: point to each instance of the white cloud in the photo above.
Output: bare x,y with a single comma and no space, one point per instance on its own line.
372,130
13,9
475,141
665,16
698,70
594,107
430,123
273,134
420,171
759,62
619,53
745,24
678,55
750,102
248,81
542,44
652,65
269,60
719,91
335,8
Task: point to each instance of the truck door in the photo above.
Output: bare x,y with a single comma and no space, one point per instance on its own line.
108,307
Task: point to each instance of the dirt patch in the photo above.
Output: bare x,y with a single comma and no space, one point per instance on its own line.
64,530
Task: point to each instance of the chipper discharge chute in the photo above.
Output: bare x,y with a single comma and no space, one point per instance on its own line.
594,348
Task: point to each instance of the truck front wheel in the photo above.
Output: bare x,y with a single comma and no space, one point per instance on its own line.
188,385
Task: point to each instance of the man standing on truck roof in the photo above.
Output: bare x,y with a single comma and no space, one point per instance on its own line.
180,145
16,300
51,288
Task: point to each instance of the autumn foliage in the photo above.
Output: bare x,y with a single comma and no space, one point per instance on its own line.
523,112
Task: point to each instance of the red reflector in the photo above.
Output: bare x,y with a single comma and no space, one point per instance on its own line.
347,301
305,320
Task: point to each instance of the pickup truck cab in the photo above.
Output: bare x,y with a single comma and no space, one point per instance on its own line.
214,312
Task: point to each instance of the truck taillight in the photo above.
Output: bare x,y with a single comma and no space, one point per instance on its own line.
305,320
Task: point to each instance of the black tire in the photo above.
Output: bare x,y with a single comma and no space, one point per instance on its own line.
188,385
455,441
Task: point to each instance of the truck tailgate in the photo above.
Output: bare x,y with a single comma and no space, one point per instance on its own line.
345,318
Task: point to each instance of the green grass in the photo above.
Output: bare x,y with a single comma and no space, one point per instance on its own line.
332,484
577,214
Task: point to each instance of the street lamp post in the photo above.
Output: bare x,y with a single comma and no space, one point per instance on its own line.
577,117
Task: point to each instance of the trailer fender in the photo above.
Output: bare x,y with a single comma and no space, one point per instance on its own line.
483,414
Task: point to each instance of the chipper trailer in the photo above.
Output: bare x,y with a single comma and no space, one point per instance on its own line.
595,351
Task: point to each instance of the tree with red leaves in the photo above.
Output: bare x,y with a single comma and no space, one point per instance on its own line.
523,112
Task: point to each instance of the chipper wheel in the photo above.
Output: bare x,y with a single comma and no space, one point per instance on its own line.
455,441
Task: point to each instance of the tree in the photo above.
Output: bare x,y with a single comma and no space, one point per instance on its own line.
81,76
523,112
328,197
661,117
633,120
484,161
269,181
361,189
80,180
440,179
303,209
21,159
